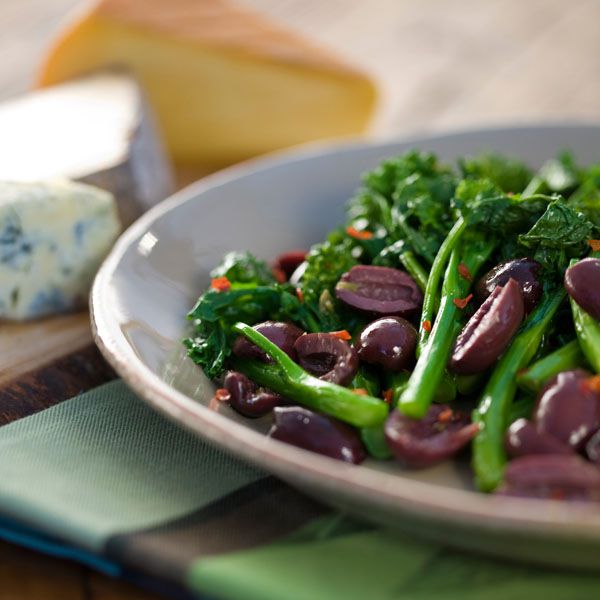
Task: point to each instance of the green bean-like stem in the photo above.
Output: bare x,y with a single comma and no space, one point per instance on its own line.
489,456
431,296
564,359
588,335
429,370
289,379
415,270
374,440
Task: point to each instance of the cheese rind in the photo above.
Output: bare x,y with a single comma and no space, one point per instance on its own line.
53,237
226,84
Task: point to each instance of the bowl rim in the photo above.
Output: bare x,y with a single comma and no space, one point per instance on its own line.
417,498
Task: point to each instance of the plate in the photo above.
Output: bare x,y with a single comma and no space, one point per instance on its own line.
160,265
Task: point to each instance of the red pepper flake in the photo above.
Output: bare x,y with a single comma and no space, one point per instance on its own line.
299,294
462,302
594,245
359,234
593,384
464,272
388,396
445,416
342,335
361,392
426,325
222,395
279,274
557,494
221,284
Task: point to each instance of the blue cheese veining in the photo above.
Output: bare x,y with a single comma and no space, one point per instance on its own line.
53,237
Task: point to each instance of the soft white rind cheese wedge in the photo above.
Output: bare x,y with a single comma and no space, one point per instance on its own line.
53,237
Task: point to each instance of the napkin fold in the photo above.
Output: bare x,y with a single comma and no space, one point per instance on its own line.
104,480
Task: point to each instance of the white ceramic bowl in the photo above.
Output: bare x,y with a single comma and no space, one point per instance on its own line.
161,263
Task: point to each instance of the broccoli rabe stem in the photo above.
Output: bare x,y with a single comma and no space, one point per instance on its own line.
429,370
489,456
290,380
588,335
564,359
431,296
414,269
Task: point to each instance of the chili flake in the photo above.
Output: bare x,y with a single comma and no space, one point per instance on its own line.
593,384
388,396
279,274
221,284
426,325
299,294
222,395
359,234
464,272
361,392
595,245
462,302
342,335
445,416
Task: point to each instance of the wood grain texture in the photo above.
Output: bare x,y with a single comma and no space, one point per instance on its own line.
439,64
60,380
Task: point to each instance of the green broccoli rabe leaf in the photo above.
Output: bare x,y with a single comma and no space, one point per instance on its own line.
385,178
557,176
481,203
216,312
326,263
243,267
586,198
508,173
209,348
560,234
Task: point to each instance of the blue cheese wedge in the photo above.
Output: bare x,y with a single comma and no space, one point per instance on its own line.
53,237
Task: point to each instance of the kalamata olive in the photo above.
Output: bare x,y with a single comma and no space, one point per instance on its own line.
582,282
318,433
489,331
327,357
281,334
568,409
389,342
380,291
246,398
525,271
524,438
555,476
592,448
288,262
436,437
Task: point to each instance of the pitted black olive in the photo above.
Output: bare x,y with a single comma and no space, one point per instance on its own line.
568,409
388,342
523,438
423,442
582,282
246,398
489,331
327,357
318,433
380,291
281,334
525,271
552,476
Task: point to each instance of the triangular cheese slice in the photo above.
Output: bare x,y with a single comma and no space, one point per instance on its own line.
226,83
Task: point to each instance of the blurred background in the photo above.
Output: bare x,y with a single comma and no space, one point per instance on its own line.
436,63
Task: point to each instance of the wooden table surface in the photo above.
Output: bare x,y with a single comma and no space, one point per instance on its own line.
439,64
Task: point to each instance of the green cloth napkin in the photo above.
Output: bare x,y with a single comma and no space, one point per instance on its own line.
107,475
